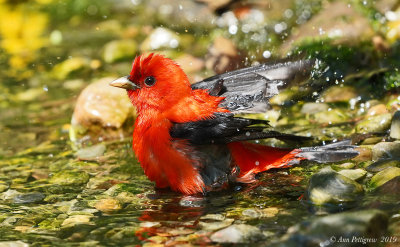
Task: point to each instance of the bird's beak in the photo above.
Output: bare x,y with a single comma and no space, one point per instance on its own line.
124,82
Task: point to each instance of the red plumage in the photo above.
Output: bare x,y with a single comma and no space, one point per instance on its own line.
186,137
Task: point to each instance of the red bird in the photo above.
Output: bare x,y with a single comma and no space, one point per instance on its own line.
186,136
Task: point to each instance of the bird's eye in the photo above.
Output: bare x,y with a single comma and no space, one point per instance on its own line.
150,81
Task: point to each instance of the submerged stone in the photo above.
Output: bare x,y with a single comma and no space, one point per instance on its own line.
383,176
29,198
312,108
328,186
354,174
108,205
383,164
92,152
331,117
379,123
216,225
395,126
391,187
358,227
238,233
386,150
69,178
339,94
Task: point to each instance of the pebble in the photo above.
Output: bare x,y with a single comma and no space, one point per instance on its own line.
386,150
29,198
108,205
17,243
354,174
100,113
311,108
383,176
238,233
92,152
378,123
382,164
76,219
377,110
69,178
395,126
327,230
339,94
213,226
328,186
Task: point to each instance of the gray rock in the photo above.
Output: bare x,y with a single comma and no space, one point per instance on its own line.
395,126
384,150
238,233
29,198
311,108
382,164
328,186
342,229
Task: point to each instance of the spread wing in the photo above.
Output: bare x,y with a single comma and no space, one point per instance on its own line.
225,128
248,90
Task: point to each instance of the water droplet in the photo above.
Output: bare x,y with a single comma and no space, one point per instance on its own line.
267,54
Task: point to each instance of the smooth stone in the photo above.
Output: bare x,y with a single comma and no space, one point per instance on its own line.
354,174
382,164
119,50
331,117
377,110
339,94
213,226
385,150
29,198
379,123
328,186
101,112
108,205
390,187
69,178
371,141
92,152
238,233
328,230
347,165
17,243
383,176
395,126
76,219
261,213
311,108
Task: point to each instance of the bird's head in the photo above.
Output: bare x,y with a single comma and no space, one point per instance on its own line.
154,82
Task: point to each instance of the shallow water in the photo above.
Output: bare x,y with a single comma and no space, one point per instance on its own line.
53,194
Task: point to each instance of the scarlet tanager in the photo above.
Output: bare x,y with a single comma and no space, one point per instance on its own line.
186,137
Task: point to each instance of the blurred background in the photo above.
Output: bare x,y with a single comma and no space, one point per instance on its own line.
67,171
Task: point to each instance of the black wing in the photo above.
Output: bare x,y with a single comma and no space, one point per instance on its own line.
248,90
225,128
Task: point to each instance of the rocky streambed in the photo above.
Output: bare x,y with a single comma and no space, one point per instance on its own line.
68,176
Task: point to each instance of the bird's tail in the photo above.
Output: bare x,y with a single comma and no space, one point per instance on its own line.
255,158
